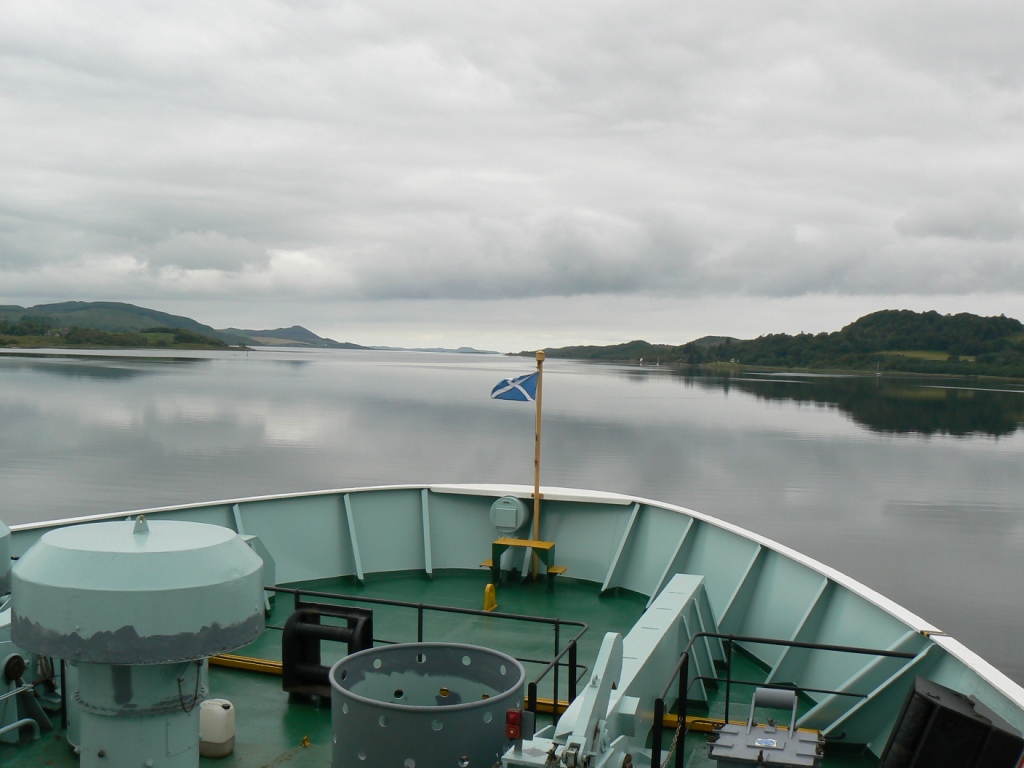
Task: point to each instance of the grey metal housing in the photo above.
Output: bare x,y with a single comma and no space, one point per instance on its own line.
431,705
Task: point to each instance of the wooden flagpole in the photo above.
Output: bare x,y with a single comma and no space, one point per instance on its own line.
536,456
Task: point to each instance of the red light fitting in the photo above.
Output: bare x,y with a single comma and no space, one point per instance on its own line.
513,723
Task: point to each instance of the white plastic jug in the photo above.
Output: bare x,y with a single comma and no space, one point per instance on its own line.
216,728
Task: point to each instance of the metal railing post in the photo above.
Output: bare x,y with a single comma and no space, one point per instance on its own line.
684,677
728,679
63,695
554,693
659,717
419,623
572,671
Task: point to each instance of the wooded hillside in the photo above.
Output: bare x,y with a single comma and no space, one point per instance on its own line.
896,340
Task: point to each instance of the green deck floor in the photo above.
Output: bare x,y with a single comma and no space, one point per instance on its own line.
272,732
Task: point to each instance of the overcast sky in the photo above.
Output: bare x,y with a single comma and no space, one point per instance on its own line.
514,175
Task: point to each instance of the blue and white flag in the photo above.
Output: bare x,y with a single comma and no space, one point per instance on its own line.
523,388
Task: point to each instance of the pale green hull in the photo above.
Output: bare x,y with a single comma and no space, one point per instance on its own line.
755,587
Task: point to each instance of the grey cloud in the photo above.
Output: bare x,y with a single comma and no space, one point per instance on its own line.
970,220
451,150
206,250
564,254
968,41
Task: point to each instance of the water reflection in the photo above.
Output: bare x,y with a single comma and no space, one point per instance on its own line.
883,404
864,474
964,519
105,367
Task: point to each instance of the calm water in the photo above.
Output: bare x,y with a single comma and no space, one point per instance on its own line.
910,486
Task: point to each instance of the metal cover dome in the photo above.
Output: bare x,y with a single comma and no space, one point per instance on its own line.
143,592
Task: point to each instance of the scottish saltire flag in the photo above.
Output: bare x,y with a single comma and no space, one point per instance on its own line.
522,388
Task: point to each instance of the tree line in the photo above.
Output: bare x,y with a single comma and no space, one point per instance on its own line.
42,329
903,340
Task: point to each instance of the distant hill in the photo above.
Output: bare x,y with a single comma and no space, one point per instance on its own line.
921,342
458,351
110,316
631,351
889,340
119,317
710,341
296,336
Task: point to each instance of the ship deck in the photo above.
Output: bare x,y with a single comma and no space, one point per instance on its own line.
272,731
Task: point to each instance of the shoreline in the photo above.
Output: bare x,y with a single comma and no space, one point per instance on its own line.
726,368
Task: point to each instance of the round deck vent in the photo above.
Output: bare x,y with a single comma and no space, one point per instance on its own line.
137,607
144,592
432,705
